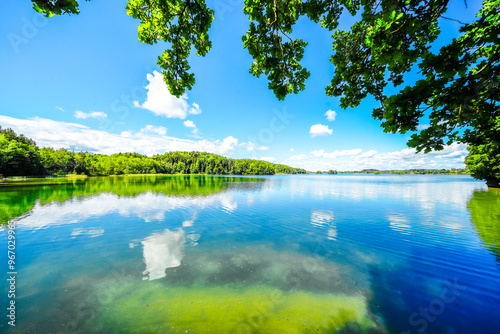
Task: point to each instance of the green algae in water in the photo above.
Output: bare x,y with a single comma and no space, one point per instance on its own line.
154,308
243,290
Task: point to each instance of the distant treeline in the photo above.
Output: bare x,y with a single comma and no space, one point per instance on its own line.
409,171
20,156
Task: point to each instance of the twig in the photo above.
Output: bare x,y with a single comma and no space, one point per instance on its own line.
447,18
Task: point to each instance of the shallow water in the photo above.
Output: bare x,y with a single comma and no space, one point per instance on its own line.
280,254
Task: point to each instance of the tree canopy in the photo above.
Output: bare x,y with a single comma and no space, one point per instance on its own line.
458,87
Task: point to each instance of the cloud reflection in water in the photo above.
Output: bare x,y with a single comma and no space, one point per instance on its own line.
161,251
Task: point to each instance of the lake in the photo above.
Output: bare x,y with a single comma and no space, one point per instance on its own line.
279,254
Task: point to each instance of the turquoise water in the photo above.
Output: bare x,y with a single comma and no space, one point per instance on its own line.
280,254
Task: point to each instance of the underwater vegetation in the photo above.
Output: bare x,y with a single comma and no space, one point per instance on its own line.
154,308
254,290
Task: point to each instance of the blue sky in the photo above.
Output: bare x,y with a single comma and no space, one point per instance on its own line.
85,82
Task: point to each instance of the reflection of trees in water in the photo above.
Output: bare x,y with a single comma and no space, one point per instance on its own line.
484,208
18,198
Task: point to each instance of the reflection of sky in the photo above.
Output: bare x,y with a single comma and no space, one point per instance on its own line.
427,195
147,207
399,223
432,197
321,218
425,191
229,205
161,251
90,232
324,218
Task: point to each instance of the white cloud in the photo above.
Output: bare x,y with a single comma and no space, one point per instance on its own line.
318,153
269,159
336,154
423,126
228,144
408,159
452,151
93,114
195,109
56,134
343,153
80,114
451,156
249,146
162,103
160,130
320,130
368,154
330,115
298,157
190,124
59,108
292,149
127,134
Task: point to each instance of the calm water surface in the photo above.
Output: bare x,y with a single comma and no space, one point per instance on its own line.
281,254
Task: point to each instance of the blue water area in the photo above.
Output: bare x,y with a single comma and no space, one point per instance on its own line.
277,254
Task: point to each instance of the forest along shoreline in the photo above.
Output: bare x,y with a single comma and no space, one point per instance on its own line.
21,158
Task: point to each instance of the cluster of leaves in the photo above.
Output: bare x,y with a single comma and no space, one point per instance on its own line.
56,7
389,39
459,92
183,24
279,60
484,156
19,156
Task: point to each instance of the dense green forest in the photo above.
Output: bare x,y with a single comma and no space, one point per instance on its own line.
20,156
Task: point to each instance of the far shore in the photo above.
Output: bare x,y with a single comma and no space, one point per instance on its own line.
367,172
